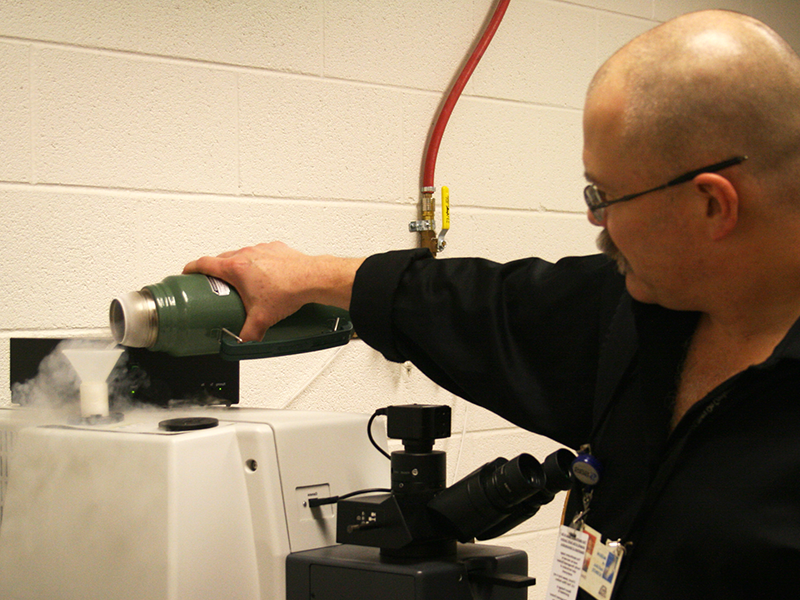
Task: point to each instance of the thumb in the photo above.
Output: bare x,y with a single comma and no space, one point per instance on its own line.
208,265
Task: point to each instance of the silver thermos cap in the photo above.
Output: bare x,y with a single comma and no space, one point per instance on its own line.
133,319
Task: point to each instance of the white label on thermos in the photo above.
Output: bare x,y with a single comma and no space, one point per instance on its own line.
219,287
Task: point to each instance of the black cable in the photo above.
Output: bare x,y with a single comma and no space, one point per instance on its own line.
315,502
379,412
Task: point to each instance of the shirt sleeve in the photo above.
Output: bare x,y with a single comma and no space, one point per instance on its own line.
521,339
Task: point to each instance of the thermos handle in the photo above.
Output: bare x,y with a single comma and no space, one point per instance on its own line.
313,327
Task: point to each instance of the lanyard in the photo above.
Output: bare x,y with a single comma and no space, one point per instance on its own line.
712,405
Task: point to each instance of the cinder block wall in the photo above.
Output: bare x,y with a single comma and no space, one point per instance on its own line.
136,135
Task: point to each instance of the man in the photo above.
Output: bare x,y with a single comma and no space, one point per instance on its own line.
677,359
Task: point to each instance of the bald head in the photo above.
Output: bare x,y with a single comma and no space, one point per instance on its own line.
705,87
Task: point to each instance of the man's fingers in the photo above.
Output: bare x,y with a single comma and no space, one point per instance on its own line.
253,330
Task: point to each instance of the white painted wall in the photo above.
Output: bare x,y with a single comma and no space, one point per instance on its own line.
136,135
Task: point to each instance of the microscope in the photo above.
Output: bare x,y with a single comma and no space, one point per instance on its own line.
415,541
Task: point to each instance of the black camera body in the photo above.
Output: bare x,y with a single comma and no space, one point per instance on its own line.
400,523
414,531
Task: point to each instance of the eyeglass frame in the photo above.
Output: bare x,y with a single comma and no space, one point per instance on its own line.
593,196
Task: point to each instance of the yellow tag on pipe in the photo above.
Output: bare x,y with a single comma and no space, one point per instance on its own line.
445,208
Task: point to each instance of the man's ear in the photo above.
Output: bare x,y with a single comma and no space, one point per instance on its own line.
721,203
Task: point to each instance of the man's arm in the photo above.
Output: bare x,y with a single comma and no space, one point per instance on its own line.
274,281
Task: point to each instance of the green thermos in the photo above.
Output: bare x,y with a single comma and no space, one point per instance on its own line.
194,314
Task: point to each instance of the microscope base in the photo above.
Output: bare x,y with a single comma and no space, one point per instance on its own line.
348,572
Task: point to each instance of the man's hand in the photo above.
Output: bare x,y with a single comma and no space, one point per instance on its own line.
274,281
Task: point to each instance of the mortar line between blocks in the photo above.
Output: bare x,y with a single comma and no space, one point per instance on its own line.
255,70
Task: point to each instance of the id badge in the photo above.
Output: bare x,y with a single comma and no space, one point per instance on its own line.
601,565
568,563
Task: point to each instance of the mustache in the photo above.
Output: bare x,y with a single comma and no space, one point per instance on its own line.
607,246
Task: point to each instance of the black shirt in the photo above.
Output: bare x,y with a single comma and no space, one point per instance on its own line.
709,510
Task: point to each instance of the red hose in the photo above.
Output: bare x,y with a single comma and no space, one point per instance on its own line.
447,108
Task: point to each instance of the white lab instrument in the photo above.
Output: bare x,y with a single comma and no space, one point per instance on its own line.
132,510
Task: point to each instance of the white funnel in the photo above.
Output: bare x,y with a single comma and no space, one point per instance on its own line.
93,367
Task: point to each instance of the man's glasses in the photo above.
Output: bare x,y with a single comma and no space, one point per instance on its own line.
596,199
